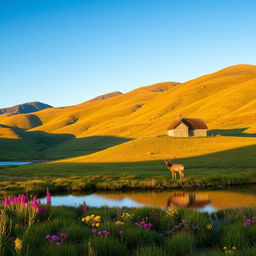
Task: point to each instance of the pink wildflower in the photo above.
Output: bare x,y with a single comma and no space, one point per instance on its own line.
85,208
48,197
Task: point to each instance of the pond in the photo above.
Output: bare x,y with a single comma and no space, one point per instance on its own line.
208,201
14,163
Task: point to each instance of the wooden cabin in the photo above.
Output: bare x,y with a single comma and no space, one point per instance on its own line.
188,127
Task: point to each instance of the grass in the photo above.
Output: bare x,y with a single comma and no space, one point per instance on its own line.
46,146
210,150
156,241
118,143
224,168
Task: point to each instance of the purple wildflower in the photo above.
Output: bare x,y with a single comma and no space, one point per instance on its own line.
64,235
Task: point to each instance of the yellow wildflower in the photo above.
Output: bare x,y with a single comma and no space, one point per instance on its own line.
17,244
97,218
92,220
119,222
225,248
209,226
126,216
87,218
97,224
170,213
233,248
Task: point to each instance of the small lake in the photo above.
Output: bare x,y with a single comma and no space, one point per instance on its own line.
8,163
208,201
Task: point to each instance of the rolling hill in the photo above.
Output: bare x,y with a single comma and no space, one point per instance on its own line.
225,99
25,108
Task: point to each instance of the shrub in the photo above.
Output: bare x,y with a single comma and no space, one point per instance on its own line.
150,251
135,237
64,249
151,215
248,252
234,235
5,230
250,234
198,225
180,244
100,246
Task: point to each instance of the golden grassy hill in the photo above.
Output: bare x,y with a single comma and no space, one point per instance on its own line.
225,99
80,119
163,147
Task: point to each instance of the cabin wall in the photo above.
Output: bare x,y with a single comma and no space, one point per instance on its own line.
200,133
180,131
170,133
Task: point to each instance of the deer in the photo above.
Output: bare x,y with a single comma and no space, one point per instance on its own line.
175,168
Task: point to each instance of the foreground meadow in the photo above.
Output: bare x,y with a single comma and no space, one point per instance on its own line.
29,228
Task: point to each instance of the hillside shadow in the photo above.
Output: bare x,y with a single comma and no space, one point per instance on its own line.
222,163
34,120
230,132
84,146
47,146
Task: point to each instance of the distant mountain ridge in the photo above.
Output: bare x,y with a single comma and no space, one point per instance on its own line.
25,108
106,96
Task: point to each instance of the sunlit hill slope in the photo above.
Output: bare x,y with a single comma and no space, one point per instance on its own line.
225,99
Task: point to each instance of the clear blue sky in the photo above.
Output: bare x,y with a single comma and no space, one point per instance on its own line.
63,52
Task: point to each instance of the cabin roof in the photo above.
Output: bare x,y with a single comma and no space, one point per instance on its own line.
192,123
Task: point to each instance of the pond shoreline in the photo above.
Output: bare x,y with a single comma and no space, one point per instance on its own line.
19,163
78,185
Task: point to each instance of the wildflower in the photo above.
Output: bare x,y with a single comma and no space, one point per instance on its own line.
85,208
63,235
17,244
170,213
143,225
42,210
92,220
229,250
120,232
209,226
126,216
97,218
48,197
94,230
119,222
57,240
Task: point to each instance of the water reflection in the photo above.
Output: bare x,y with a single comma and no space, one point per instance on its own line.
202,200
187,200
